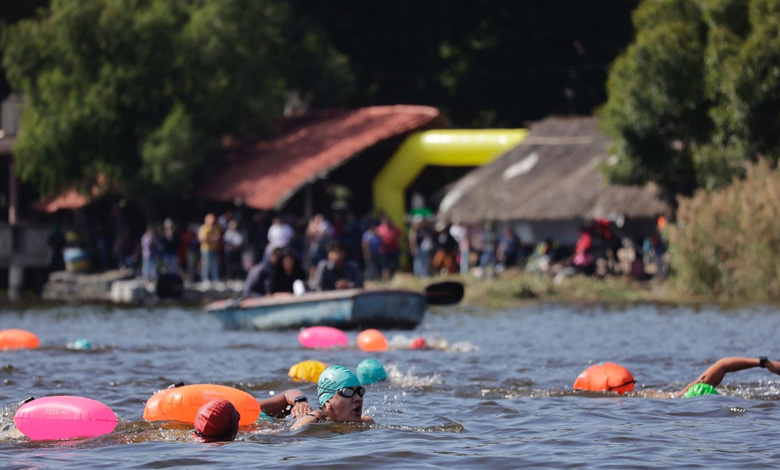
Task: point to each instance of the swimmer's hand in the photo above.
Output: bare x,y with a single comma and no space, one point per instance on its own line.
300,410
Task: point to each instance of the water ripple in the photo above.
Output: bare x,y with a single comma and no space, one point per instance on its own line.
493,392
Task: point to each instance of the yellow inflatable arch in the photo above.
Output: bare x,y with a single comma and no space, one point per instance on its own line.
436,147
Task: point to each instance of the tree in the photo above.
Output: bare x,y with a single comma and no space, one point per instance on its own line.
697,95
485,63
141,92
12,11
656,106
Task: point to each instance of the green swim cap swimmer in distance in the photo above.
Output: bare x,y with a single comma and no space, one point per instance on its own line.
370,371
700,389
332,379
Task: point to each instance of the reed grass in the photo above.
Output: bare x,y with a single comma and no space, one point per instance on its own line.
726,243
517,288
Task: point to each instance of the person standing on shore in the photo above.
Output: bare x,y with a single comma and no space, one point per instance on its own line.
56,241
191,246
461,235
319,232
150,248
233,242
420,246
170,247
372,253
391,236
209,236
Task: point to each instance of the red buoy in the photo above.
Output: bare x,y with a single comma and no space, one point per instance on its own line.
18,339
605,377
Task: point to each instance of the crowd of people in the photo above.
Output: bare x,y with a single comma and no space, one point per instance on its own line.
231,247
242,245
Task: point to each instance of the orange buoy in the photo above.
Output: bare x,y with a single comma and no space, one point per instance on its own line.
182,403
605,377
18,339
371,340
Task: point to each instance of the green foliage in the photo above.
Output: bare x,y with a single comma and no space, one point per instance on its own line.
656,100
697,95
141,91
727,242
172,152
485,63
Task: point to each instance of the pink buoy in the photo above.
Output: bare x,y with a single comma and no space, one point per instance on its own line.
322,337
64,417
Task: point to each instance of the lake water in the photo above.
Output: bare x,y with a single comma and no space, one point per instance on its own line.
498,396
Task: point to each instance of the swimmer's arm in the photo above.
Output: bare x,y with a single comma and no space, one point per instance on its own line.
304,420
311,418
715,373
283,404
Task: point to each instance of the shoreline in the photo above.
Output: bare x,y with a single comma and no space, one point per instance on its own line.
512,288
516,288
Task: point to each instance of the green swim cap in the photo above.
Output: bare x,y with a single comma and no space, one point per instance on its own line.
370,371
332,379
700,389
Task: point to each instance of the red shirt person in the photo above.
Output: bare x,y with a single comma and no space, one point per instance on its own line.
390,235
584,259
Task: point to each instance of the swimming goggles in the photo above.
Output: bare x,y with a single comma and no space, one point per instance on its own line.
349,392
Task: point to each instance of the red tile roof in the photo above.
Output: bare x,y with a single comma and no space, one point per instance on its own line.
266,175
73,199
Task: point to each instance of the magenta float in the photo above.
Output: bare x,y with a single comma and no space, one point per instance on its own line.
64,417
322,337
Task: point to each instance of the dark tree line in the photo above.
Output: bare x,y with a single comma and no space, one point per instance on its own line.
486,63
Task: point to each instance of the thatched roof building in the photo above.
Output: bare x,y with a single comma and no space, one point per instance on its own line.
552,177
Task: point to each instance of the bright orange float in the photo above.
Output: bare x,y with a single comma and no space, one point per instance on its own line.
183,402
18,339
605,377
371,340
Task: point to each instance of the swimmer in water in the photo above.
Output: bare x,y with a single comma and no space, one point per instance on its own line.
340,397
712,377
216,421
370,371
293,403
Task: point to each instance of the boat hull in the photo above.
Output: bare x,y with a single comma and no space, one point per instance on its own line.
346,309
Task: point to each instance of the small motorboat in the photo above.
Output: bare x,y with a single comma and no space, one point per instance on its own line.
344,309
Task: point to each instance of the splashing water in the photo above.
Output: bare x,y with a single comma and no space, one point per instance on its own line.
409,379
